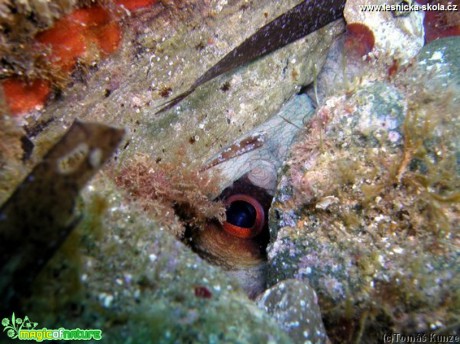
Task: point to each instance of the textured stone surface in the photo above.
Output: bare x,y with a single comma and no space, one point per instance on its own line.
139,284
121,270
293,304
359,212
441,59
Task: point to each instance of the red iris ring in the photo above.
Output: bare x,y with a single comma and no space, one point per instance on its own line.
258,223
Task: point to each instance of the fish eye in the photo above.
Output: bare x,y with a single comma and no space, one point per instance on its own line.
245,216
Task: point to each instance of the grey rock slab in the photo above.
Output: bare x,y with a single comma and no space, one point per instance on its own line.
293,304
168,58
441,59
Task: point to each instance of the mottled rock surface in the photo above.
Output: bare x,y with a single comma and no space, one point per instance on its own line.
400,37
293,304
122,272
440,59
122,269
367,208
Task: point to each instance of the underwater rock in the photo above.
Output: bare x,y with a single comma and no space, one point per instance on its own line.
367,208
293,304
126,274
379,115
440,58
398,36
303,19
122,269
155,56
362,211
39,215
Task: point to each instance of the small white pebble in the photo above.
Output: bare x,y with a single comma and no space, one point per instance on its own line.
437,55
398,250
106,299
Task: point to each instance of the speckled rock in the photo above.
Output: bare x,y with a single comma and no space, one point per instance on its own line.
139,284
160,52
398,36
441,59
367,208
379,115
120,270
293,304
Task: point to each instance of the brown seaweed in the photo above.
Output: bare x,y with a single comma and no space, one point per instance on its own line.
39,215
301,20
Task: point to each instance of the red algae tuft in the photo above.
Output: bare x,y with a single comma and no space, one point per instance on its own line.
180,197
108,37
393,69
72,34
202,292
67,43
23,97
359,40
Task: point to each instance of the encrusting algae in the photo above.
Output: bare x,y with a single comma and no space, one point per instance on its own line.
369,208
43,43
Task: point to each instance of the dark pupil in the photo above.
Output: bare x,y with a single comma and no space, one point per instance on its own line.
241,214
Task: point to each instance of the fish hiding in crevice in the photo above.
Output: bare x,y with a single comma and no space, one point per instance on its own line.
298,22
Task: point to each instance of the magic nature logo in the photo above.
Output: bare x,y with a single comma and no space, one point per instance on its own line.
25,329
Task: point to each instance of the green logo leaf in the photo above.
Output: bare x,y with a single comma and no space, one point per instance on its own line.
15,325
